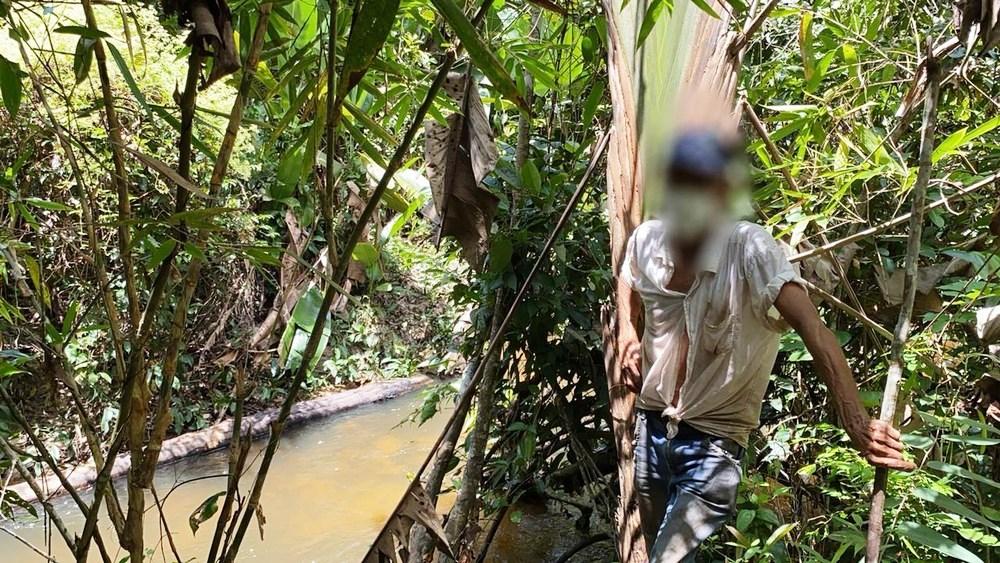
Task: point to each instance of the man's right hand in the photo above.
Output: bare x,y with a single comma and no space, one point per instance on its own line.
630,351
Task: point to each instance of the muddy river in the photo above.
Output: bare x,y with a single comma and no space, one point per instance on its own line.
329,490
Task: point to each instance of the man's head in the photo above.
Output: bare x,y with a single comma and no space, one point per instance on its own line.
699,184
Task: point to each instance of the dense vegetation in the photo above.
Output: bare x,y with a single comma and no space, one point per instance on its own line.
183,243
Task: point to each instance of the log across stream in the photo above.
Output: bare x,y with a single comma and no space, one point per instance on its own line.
332,484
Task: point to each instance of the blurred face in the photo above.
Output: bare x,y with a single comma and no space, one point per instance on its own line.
694,206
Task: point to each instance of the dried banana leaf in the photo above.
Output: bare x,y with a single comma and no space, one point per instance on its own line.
459,155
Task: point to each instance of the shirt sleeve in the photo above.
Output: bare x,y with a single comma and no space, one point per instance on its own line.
767,270
630,263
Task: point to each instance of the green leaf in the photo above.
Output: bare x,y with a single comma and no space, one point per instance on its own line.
949,145
501,251
267,255
780,533
369,31
744,519
805,45
366,253
593,100
82,58
205,510
82,31
972,440
10,85
650,18
705,7
480,53
965,421
370,124
129,79
70,318
954,470
953,506
983,129
934,540
290,168
531,179
46,204
307,309
160,253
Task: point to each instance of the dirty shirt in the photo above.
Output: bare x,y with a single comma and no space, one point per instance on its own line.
728,313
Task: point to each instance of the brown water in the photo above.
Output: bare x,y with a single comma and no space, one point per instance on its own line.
329,490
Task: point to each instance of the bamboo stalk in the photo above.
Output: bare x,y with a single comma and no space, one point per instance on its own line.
277,427
237,457
891,395
121,173
111,310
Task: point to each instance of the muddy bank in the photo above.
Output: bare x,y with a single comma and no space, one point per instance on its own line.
219,435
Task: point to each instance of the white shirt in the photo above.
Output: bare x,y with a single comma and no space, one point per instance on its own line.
732,328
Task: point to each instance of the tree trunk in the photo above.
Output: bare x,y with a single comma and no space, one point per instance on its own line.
466,506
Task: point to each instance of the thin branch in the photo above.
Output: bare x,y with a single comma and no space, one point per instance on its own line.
39,494
29,545
121,173
744,38
331,292
166,527
895,222
858,315
161,420
896,360
43,452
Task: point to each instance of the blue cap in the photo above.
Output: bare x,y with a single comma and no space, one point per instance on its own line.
701,153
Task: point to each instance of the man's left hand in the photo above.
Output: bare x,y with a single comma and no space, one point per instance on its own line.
882,447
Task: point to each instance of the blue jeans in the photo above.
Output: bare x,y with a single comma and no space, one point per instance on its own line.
686,486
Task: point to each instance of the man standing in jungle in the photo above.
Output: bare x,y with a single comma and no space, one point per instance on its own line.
713,296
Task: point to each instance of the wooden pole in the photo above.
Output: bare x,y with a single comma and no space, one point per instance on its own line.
889,398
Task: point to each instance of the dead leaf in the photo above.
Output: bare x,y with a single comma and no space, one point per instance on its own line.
172,175
419,508
928,277
259,513
394,541
981,17
459,155
821,270
212,33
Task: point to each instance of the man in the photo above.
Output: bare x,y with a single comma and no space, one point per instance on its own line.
713,296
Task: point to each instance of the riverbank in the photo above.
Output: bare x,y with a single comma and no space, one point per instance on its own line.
218,436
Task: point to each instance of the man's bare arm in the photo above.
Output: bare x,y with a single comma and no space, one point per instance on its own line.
630,340
876,440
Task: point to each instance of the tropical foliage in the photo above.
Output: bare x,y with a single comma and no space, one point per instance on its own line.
184,241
